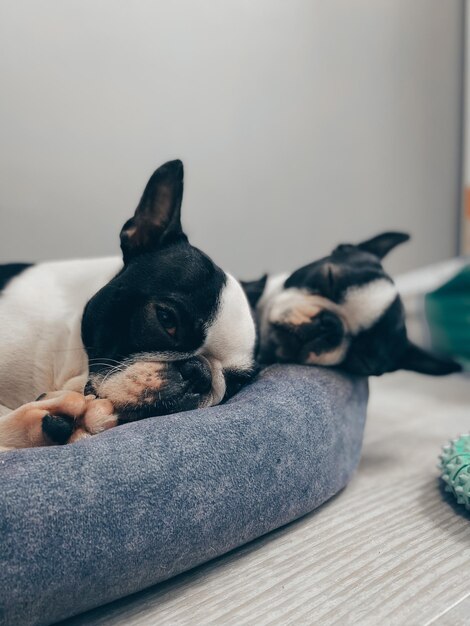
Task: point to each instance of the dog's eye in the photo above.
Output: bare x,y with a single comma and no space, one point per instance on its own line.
167,321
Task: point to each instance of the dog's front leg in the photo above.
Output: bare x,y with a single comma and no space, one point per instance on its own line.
56,418
25,427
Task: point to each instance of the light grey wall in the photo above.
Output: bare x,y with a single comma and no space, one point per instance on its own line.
301,123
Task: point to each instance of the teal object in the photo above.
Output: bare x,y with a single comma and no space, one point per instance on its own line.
455,469
448,314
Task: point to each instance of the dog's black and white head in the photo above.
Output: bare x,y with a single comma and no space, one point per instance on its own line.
171,331
340,310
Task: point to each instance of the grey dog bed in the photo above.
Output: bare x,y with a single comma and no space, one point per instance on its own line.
84,524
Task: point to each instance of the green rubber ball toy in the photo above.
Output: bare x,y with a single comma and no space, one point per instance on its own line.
455,469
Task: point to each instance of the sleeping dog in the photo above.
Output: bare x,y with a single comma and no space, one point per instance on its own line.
342,310
161,330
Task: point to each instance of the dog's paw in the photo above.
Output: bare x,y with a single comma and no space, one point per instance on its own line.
58,418
63,411
72,416
58,428
99,416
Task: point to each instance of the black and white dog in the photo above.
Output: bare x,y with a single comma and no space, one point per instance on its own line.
162,330
340,310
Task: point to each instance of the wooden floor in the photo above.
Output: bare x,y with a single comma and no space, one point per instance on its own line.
387,550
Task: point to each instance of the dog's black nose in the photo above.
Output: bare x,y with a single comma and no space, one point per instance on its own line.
198,374
324,333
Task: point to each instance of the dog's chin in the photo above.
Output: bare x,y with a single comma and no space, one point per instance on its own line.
131,411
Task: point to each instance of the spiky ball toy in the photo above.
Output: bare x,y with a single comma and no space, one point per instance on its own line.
455,469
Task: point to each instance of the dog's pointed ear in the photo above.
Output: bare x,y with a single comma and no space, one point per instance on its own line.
254,289
382,244
418,360
157,219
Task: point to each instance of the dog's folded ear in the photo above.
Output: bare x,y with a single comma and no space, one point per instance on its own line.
254,289
418,360
157,219
382,244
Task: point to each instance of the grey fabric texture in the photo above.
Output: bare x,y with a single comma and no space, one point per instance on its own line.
84,524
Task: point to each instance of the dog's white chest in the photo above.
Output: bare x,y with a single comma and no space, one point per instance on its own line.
40,315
